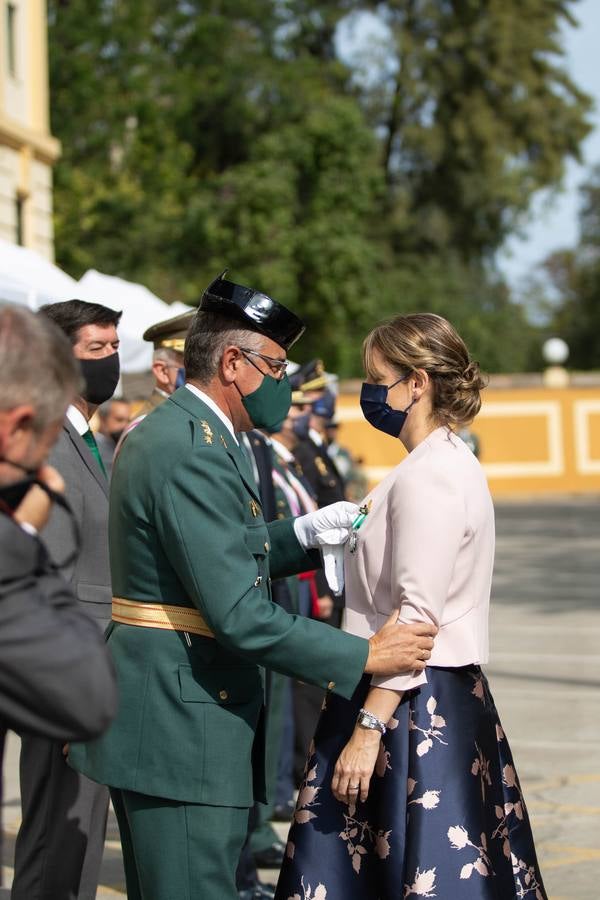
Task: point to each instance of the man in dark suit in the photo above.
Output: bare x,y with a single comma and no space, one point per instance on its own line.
56,678
59,847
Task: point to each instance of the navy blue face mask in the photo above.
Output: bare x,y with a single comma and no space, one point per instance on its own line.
378,412
301,426
180,379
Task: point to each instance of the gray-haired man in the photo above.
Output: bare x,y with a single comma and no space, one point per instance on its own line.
56,679
61,840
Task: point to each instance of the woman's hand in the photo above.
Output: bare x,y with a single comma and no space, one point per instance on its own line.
355,765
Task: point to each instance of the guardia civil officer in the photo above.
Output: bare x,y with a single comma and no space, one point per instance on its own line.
168,339
192,559
310,384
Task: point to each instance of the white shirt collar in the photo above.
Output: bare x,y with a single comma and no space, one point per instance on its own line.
213,406
77,420
282,451
315,437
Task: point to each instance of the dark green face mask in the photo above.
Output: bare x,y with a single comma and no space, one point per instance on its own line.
270,403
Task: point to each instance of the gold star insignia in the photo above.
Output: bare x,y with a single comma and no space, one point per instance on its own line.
208,435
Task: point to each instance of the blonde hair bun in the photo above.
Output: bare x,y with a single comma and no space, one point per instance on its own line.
429,342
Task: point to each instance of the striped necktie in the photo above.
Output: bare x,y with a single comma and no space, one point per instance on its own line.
91,442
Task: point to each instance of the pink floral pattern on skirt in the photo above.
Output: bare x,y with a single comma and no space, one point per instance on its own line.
445,816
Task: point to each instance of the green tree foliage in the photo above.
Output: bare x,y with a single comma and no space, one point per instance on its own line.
575,275
198,136
477,114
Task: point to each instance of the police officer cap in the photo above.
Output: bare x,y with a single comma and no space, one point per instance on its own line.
309,376
170,333
257,310
307,380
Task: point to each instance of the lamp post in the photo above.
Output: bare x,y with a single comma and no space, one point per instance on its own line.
555,352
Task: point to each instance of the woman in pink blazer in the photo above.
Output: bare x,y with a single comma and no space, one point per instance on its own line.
410,787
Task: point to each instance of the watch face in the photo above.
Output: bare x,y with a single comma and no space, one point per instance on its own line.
370,722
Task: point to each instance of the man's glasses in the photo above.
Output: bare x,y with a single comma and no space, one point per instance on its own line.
277,366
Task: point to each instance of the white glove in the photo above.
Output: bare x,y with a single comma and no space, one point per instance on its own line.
328,526
329,529
333,566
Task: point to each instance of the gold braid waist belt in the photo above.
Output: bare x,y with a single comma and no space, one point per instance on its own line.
159,615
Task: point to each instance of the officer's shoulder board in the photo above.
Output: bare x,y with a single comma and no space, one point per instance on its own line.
209,438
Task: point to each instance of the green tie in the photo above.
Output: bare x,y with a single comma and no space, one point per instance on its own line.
91,442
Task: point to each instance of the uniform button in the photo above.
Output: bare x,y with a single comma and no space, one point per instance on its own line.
258,581
331,686
223,695
266,547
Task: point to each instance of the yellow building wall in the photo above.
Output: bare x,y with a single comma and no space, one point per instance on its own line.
538,441
27,149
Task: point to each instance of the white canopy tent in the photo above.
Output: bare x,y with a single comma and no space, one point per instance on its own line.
141,308
28,279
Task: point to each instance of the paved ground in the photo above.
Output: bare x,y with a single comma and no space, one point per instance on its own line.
545,675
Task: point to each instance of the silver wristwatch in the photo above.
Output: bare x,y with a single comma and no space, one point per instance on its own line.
367,720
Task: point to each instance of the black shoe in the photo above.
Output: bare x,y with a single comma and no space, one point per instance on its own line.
258,891
271,857
283,812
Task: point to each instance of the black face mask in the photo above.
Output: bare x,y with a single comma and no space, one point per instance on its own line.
301,426
12,495
101,378
116,435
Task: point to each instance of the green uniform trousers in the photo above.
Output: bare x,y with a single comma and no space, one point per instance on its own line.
264,835
178,851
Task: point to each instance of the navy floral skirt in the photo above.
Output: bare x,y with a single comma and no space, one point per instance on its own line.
445,815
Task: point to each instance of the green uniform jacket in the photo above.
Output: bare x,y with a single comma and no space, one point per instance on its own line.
186,529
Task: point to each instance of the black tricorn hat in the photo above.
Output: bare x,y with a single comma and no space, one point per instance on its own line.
255,309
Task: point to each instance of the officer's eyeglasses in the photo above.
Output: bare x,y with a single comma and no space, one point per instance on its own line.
277,366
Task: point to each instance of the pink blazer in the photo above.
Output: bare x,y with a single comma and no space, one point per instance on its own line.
427,549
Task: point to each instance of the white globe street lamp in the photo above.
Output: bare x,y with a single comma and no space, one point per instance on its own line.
556,352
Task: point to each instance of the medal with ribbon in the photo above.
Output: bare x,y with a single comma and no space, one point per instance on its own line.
363,512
